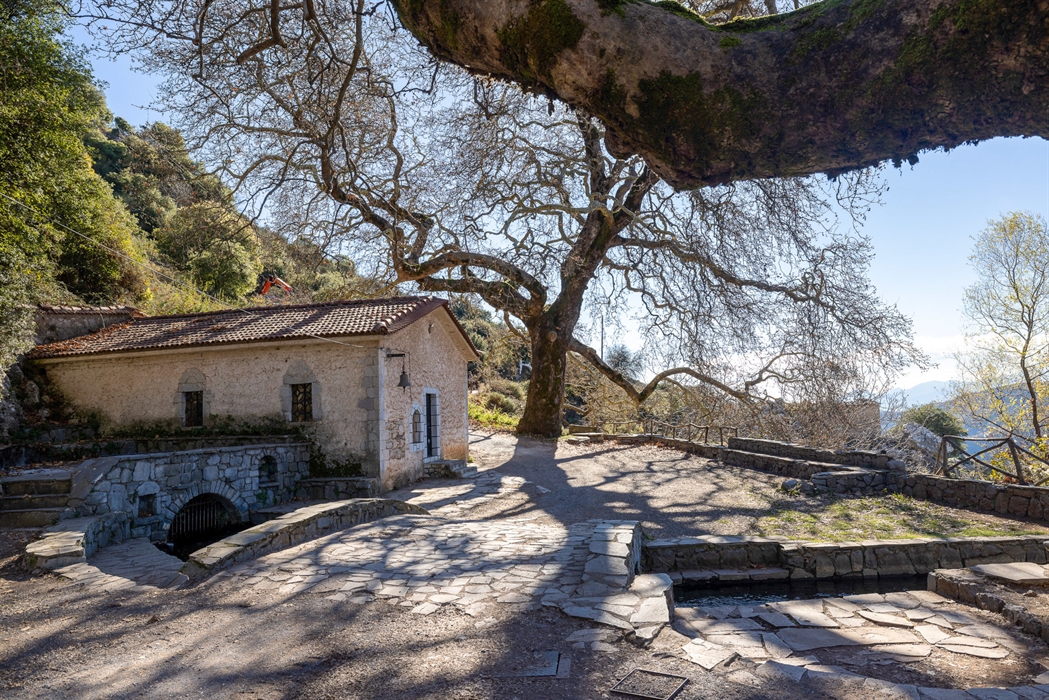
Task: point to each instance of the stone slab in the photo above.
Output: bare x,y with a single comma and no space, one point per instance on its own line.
776,670
1022,573
914,650
743,624
806,613
776,619
976,651
885,620
708,658
931,633
802,639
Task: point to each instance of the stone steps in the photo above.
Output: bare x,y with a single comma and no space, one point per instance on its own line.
38,483
36,499
27,501
31,517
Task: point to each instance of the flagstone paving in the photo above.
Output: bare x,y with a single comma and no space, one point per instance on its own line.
429,562
882,622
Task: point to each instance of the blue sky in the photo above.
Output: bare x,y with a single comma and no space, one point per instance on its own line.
922,233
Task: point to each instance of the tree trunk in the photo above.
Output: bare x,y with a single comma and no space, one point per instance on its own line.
546,389
830,87
1033,393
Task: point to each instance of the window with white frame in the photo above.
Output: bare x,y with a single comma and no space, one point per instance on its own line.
417,426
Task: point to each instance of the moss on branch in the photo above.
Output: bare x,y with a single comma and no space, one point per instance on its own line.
531,44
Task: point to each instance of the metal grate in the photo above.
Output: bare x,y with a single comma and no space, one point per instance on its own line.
202,516
651,685
193,403
301,403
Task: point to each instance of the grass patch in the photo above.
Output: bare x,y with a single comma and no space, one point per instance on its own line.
491,417
894,517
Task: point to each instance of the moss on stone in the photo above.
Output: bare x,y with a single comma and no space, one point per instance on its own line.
730,42
531,44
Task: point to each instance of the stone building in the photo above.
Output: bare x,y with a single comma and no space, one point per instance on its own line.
380,383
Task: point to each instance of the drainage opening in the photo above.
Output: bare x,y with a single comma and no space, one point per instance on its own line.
203,520
758,592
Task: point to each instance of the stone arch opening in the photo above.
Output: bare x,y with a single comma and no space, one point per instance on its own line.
203,519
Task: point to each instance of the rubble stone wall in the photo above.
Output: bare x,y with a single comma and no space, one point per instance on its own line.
867,559
170,480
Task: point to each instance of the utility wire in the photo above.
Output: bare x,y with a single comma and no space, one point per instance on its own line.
176,282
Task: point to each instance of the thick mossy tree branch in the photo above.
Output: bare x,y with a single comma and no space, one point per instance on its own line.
834,86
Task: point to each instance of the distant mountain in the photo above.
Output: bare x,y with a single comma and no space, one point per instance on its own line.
926,392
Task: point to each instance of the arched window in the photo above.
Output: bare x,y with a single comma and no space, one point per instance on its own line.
417,427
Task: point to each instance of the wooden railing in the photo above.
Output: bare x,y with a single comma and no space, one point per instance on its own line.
676,431
944,467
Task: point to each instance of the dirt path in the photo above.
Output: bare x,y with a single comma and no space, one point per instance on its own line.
673,494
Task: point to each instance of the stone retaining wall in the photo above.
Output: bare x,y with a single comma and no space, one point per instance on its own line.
73,541
169,480
967,587
306,523
1004,499
807,560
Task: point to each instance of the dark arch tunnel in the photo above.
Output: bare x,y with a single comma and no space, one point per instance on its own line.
203,519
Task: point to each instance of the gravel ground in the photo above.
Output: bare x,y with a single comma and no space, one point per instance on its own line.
60,640
674,494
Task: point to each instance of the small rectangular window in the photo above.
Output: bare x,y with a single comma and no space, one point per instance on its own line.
193,408
147,505
301,403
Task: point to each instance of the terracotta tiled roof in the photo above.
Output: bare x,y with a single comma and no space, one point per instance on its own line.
328,320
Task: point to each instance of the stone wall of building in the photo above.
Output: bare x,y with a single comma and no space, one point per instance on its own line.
54,323
152,488
246,383
437,364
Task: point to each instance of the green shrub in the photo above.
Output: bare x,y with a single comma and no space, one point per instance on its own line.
507,388
935,419
500,403
488,418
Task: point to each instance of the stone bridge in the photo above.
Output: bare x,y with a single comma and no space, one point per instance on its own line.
152,488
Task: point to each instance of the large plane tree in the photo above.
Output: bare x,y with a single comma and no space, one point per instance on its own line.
334,125
832,86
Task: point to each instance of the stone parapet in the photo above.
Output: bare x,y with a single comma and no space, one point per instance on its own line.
337,488
969,587
306,523
615,554
73,541
1004,499
710,553
817,560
